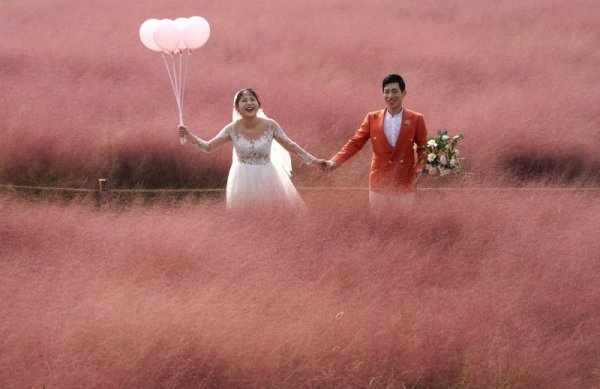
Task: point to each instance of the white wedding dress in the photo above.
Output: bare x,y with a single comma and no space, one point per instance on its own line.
260,170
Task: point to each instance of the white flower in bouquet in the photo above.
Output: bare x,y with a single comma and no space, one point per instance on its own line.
440,155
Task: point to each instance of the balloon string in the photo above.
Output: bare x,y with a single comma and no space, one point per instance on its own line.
180,86
186,64
169,72
177,78
172,78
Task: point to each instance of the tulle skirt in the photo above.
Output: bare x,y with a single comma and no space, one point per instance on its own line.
260,186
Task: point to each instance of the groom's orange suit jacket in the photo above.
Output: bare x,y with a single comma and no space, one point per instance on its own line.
392,167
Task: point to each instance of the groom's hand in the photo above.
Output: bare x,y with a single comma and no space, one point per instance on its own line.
331,165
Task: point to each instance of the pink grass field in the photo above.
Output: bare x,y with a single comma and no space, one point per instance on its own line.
82,98
473,288
476,291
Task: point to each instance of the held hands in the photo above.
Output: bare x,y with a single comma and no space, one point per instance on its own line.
321,163
327,165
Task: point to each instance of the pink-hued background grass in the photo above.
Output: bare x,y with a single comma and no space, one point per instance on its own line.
471,288
82,98
464,290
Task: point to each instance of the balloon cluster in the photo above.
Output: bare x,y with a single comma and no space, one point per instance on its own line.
172,36
174,39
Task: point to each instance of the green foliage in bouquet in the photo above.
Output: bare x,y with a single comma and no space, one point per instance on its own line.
440,156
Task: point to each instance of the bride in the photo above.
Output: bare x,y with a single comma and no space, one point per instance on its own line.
260,170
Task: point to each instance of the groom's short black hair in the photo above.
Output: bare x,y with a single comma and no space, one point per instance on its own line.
391,78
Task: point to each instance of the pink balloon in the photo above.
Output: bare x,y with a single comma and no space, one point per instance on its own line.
181,22
195,32
167,35
147,34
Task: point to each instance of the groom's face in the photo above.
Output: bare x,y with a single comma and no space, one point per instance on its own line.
393,96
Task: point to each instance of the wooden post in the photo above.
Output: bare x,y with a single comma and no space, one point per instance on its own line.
101,184
101,193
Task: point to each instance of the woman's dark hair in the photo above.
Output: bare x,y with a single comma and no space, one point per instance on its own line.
239,94
391,78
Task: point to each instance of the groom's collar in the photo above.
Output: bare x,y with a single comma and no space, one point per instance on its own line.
405,112
386,112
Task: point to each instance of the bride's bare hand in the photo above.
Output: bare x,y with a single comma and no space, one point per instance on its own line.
183,131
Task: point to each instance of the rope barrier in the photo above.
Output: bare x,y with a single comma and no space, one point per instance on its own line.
46,188
102,189
205,190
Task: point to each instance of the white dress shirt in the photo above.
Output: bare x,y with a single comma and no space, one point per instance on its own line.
391,126
380,203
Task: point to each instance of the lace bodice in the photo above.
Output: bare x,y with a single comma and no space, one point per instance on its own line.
257,151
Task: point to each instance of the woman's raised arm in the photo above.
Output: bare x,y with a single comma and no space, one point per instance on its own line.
207,146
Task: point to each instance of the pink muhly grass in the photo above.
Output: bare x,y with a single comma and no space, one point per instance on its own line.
485,289
468,289
83,98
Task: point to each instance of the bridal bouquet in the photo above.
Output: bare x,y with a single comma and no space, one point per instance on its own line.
440,155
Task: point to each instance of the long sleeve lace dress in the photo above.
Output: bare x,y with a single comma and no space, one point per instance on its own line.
254,179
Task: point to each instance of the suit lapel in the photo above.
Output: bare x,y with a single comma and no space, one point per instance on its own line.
379,128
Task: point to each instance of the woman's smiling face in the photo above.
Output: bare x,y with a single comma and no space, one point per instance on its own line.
248,104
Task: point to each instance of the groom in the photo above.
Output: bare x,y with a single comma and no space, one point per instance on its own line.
393,131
